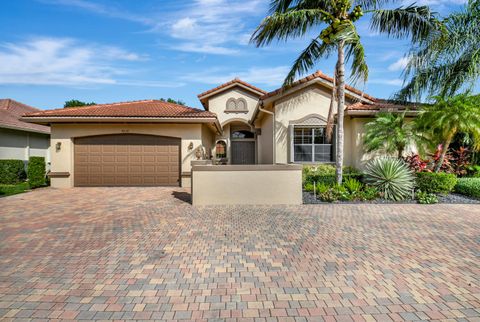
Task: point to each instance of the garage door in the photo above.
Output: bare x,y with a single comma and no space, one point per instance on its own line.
127,160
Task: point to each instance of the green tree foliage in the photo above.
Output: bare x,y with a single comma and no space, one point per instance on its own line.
390,133
333,24
446,61
173,101
77,103
441,121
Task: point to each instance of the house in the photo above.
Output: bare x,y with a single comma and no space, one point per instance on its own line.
153,142
20,140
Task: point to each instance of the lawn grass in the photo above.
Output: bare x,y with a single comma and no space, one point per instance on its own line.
13,189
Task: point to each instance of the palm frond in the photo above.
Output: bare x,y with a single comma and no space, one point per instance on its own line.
307,59
416,22
291,24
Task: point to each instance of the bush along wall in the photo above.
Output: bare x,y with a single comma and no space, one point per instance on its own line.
36,172
432,182
469,187
12,171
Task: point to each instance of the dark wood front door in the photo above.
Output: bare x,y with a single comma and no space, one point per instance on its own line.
127,160
243,152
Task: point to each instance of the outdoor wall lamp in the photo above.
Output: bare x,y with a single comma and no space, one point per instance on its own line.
58,146
190,146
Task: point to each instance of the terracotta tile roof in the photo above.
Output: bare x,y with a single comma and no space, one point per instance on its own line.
145,108
10,113
317,74
382,104
234,81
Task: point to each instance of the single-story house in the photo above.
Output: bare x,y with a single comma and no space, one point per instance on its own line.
153,142
19,140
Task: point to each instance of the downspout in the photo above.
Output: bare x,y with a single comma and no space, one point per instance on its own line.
260,107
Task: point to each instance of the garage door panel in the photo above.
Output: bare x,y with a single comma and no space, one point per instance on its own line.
127,160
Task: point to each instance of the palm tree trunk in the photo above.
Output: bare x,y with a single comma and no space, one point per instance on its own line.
331,112
340,110
445,146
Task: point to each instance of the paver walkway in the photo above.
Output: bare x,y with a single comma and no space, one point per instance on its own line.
143,253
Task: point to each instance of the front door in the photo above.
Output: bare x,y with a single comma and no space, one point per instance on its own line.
243,152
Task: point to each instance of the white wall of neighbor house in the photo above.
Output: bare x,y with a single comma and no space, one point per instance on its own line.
21,145
62,160
218,104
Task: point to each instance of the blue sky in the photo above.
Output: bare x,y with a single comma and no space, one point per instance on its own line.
109,51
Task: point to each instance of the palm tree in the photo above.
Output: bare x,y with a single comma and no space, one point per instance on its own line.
446,61
447,117
390,133
333,22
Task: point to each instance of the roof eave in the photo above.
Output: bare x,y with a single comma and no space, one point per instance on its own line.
374,112
19,128
115,119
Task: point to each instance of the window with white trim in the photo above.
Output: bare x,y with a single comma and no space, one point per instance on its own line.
310,144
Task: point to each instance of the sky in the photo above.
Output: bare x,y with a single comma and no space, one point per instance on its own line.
109,51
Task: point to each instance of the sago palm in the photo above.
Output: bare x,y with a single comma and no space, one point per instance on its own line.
447,117
447,61
333,25
389,132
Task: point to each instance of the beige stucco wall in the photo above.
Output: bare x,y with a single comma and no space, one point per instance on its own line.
265,140
62,161
218,103
314,99
251,185
20,145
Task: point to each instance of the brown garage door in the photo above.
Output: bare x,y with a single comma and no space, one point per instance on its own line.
127,160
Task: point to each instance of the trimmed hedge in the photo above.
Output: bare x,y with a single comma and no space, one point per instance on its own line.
36,172
469,187
12,171
325,174
431,182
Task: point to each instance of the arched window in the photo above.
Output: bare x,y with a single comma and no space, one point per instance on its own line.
242,134
238,105
221,150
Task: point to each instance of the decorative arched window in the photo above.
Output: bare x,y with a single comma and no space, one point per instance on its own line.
238,105
221,150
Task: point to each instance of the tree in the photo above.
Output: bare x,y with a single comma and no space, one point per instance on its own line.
333,22
447,117
171,100
77,103
447,61
390,133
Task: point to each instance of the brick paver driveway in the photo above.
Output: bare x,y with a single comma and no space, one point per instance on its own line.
97,253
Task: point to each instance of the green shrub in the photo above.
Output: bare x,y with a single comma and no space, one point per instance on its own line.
353,185
308,187
325,173
36,172
368,193
391,177
474,171
432,182
12,171
426,198
333,193
469,187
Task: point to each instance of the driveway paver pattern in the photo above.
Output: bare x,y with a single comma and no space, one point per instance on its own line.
144,253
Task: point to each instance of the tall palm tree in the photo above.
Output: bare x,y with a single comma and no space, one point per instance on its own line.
333,22
389,132
446,61
447,117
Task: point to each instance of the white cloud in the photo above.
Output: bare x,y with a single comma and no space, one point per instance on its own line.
214,26
269,76
65,61
400,64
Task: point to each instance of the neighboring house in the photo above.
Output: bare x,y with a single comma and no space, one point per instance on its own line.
20,140
154,143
